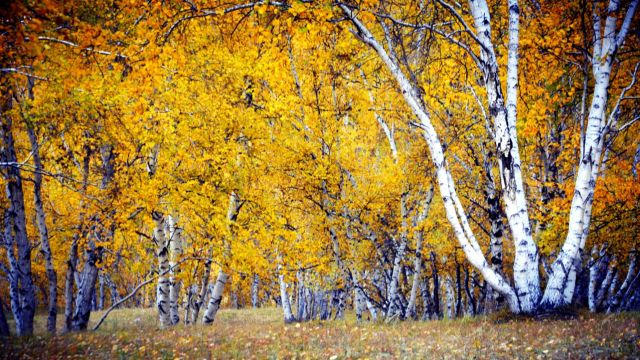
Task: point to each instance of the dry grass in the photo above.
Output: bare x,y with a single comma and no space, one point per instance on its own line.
133,333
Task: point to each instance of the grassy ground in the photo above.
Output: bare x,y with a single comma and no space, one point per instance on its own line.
133,333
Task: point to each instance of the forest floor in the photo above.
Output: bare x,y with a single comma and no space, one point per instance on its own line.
261,333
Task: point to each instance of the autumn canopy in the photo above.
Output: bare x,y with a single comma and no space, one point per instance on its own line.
407,159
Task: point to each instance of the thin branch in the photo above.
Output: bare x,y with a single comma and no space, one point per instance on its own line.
206,13
448,36
17,71
613,116
467,28
628,123
72,44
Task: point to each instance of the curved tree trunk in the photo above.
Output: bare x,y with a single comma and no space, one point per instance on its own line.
216,298
606,44
453,208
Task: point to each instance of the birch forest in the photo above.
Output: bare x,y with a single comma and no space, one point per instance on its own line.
320,178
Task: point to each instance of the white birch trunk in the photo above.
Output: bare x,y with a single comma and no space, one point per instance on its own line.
284,298
606,45
417,263
616,299
395,310
216,298
17,230
202,295
428,311
175,250
361,293
449,296
162,253
359,304
525,267
101,295
605,285
455,214
12,276
86,291
255,301
595,274
216,295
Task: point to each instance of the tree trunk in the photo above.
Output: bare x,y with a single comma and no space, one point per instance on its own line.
69,282
284,298
616,299
359,304
503,114
340,303
86,290
44,233
605,285
204,287
449,294
427,303
606,44
417,263
595,275
175,246
17,233
458,309
101,295
162,297
189,302
12,276
453,208
436,286
113,291
216,294
469,291
395,310
4,326
496,235
216,298
255,302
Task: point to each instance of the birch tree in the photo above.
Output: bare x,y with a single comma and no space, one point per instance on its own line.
22,288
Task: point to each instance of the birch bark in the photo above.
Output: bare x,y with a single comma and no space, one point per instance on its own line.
175,250
417,263
162,253
284,298
216,294
204,287
455,213
525,267
606,45
17,233
254,291
216,298
86,290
